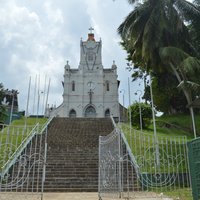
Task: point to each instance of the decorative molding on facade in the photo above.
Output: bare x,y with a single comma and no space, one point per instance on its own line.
94,89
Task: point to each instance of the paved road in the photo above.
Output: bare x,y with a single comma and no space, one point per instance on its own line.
74,196
94,196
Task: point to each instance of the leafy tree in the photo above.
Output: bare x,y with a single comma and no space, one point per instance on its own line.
167,97
157,39
194,29
146,114
154,24
185,68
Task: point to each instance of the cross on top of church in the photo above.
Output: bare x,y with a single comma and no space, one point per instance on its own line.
91,29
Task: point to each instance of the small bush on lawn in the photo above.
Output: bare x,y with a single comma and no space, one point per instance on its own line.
146,114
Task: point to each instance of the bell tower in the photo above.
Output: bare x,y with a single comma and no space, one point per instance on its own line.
90,55
90,90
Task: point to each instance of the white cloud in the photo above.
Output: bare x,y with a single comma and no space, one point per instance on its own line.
37,37
54,15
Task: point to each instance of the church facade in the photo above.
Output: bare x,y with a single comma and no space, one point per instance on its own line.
90,90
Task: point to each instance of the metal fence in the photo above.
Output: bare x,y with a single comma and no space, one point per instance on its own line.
135,164
194,161
22,162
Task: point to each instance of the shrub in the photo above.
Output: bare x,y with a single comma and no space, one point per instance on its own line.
146,114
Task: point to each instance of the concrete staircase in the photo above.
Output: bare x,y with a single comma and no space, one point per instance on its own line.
72,156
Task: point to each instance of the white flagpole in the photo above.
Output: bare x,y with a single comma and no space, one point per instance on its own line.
44,92
34,95
27,104
38,102
47,94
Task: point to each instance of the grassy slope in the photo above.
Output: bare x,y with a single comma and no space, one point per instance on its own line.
29,121
183,127
12,136
173,126
183,122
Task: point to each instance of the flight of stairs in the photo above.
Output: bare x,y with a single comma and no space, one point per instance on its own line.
72,159
72,155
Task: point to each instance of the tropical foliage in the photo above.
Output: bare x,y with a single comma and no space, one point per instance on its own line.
167,97
142,109
158,36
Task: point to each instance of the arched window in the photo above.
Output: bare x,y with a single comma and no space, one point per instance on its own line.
72,113
73,85
107,86
107,113
90,112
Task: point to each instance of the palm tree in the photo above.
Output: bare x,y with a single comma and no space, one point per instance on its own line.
194,29
184,67
152,28
154,24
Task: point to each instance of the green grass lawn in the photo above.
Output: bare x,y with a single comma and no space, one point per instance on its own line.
173,132
181,194
173,126
29,121
143,147
182,124
13,135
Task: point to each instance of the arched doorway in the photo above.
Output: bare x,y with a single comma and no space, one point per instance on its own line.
90,112
107,113
72,113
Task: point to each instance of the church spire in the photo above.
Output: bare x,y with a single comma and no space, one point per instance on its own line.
91,35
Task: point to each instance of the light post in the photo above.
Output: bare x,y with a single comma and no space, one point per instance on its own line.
123,103
140,110
154,124
14,92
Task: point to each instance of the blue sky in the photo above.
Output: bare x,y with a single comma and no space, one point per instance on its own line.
37,37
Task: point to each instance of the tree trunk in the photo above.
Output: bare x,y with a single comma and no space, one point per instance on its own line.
188,98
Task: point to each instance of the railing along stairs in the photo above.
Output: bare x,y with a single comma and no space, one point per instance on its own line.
36,130
128,164
118,168
127,147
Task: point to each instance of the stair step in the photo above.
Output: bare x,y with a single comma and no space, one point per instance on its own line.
72,157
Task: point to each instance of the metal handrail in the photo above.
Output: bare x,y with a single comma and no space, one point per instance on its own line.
23,145
45,125
133,160
19,150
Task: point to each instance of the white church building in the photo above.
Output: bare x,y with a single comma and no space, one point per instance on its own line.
89,90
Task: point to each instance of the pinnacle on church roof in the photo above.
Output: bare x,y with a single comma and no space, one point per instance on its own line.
67,65
114,66
67,62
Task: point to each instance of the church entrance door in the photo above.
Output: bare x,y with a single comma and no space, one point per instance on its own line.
90,112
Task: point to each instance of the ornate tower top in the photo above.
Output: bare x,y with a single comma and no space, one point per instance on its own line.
91,34
90,57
